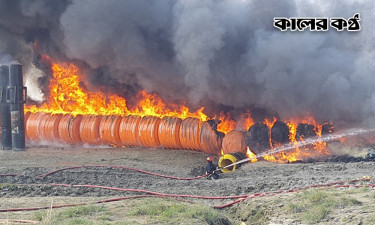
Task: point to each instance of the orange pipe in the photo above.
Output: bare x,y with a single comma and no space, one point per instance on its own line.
32,126
42,123
27,114
69,129
169,132
234,141
189,134
109,130
128,130
148,132
89,129
210,139
51,128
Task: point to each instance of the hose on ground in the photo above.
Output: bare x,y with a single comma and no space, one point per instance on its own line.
149,192
126,168
9,175
115,167
239,198
78,204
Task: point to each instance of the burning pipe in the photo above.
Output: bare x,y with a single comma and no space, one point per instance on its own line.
228,161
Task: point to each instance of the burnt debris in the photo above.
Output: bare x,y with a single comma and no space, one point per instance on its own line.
257,138
279,133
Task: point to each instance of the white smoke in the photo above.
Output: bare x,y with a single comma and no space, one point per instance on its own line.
31,82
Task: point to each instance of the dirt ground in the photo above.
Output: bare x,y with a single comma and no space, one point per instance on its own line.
249,178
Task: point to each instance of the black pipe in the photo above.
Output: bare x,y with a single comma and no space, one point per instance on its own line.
5,125
16,98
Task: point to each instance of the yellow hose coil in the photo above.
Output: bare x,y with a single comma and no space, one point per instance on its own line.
229,159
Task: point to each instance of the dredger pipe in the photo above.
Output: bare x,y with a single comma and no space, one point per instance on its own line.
6,135
16,97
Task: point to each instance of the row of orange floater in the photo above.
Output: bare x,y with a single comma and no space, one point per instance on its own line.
129,131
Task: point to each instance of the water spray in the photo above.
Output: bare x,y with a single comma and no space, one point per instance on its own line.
288,147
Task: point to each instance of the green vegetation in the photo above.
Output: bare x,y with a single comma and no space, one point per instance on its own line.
8,186
87,210
314,205
370,219
251,212
89,214
173,211
308,207
139,211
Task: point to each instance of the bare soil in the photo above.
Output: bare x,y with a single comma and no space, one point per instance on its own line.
256,177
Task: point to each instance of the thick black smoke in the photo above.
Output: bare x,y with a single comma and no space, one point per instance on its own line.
213,53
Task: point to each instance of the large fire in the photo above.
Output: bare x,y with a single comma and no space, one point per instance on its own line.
68,97
319,147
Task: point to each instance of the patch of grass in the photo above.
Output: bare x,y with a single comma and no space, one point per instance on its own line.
314,205
8,186
314,214
78,221
86,210
250,213
357,190
139,211
86,221
296,208
172,211
258,215
348,201
45,217
39,215
370,219
89,214
317,196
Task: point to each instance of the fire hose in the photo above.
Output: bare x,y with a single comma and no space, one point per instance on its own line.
78,204
240,198
123,167
105,166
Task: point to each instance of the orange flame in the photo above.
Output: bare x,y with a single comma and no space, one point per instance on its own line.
248,120
319,147
270,124
66,96
251,155
226,124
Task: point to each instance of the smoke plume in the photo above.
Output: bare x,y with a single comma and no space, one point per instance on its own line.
219,54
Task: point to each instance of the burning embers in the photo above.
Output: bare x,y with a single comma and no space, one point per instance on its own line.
74,116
